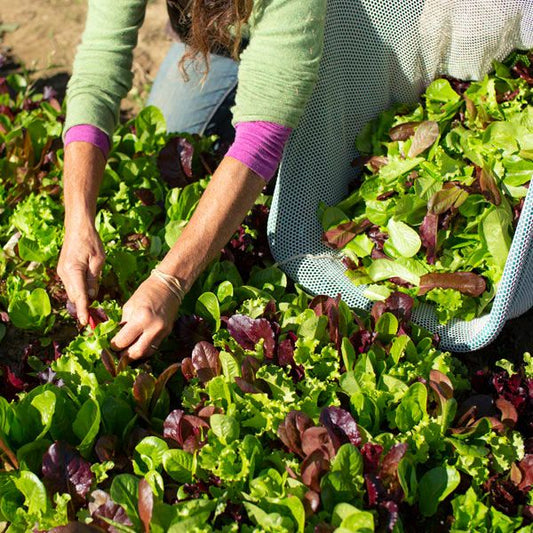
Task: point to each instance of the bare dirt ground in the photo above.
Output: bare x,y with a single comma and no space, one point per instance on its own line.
42,35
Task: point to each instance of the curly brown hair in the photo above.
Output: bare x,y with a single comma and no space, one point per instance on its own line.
209,26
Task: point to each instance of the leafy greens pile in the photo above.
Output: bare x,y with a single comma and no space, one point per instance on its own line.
266,409
441,193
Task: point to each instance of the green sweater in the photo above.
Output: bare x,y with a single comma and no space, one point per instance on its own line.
277,70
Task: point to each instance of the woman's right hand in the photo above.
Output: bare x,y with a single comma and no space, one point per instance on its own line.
80,265
82,256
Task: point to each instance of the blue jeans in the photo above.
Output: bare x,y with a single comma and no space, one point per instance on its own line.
191,106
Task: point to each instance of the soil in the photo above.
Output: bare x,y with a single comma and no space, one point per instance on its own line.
42,37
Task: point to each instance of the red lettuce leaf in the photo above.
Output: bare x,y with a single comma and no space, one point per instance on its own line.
329,307
398,303
315,438
248,332
290,431
65,471
313,468
206,361
104,507
467,283
403,131
187,431
146,504
446,199
175,162
425,136
428,235
339,236
341,426
488,186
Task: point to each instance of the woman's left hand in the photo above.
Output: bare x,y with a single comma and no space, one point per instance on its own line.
147,318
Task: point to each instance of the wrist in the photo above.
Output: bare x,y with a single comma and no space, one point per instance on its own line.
79,221
184,276
172,283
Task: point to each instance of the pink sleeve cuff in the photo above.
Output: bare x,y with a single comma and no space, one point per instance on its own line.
259,145
89,134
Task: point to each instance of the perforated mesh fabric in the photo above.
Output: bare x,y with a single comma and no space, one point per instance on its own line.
378,52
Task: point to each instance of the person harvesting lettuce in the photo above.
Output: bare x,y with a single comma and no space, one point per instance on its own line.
274,81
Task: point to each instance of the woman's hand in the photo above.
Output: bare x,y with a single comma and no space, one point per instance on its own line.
149,314
82,256
80,265
148,317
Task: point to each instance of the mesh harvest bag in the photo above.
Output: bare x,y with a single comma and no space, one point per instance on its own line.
377,53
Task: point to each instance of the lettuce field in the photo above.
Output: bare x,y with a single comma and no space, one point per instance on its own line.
266,409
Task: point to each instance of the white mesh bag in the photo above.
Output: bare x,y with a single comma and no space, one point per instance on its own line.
376,53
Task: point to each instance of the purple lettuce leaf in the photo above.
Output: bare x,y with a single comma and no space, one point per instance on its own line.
313,468
102,507
398,303
174,162
191,329
248,332
317,438
341,426
329,307
206,361
403,131
143,389
339,236
290,431
428,235
188,431
65,471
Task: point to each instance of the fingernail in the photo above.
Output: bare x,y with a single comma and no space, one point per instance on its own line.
92,293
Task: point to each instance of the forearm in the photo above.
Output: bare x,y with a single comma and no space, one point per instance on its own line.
83,172
224,204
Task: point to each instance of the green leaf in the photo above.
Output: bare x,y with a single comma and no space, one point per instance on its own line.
150,123
148,455
346,517
179,465
86,426
349,461
225,292
124,491
377,293
387,325
404,238
230,366
225,427
434,486
29,310
496,227
271,280
34,493
45,403
207,307
406,269
412,408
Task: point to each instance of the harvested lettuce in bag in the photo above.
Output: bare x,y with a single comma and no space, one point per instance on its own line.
441,190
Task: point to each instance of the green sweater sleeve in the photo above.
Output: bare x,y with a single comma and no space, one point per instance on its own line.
279,67
102,74
277,72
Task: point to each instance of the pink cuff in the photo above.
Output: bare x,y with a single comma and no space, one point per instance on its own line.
89,134
259,145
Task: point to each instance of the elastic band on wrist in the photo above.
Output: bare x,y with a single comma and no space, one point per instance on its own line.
173,284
